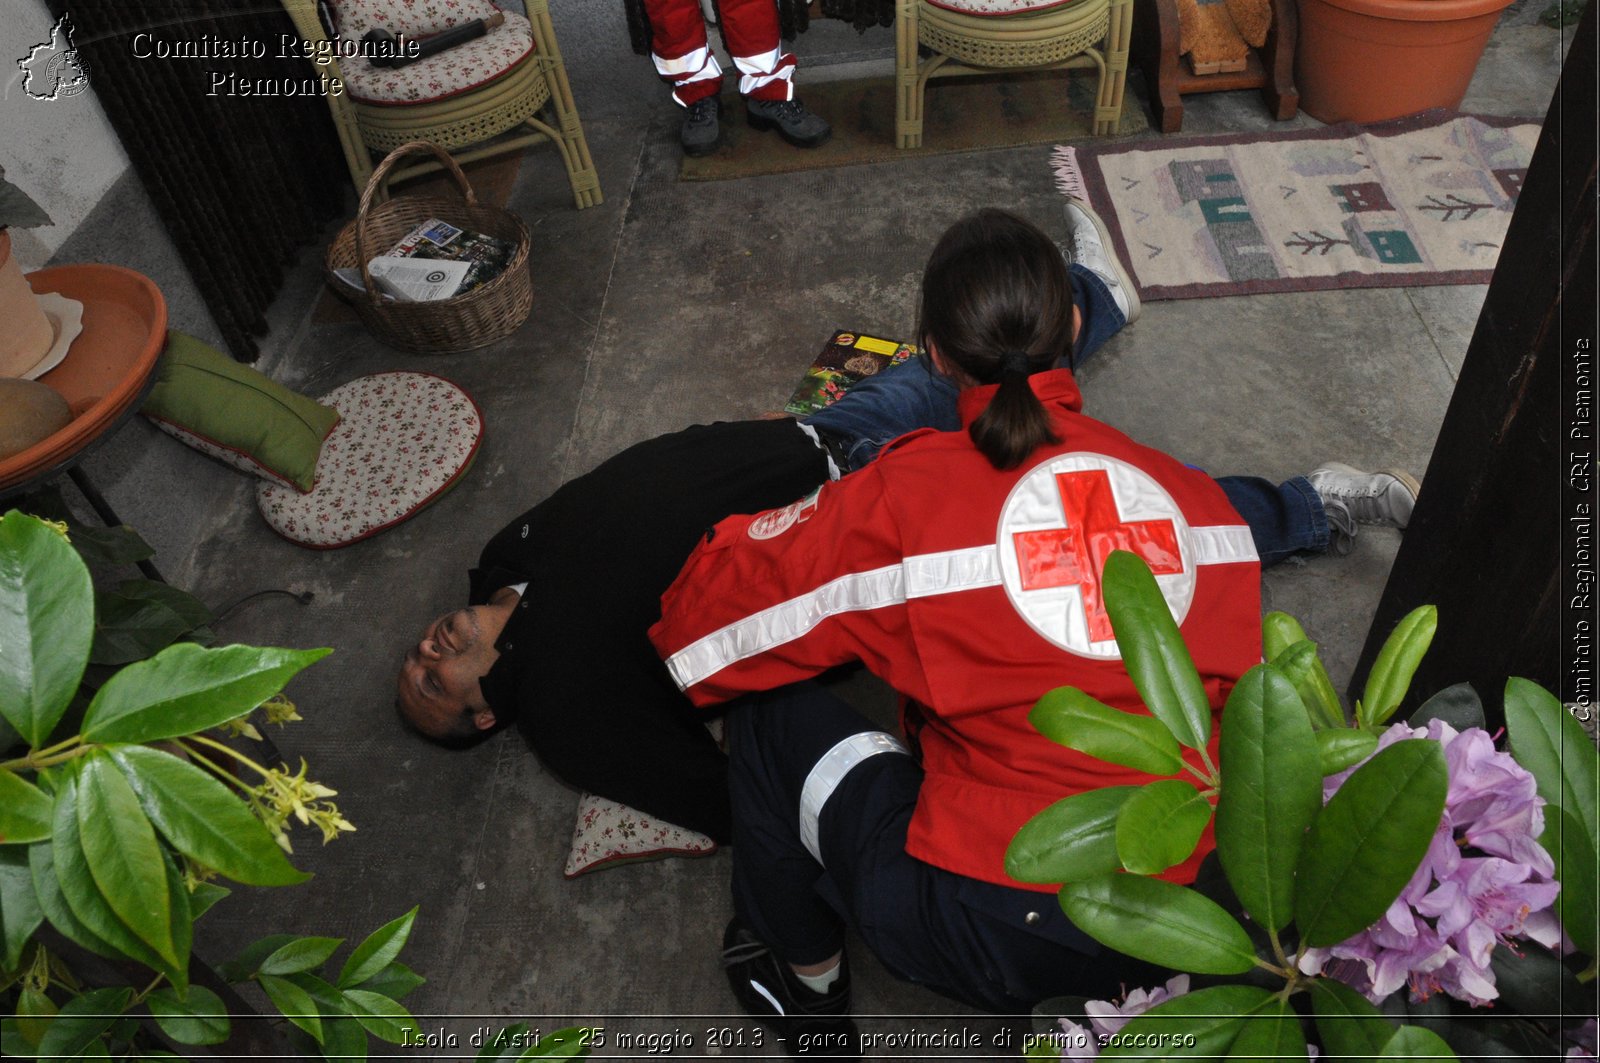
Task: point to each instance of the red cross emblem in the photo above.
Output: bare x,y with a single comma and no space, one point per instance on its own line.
1074,556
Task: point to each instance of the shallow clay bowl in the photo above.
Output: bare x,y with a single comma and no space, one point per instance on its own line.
124,331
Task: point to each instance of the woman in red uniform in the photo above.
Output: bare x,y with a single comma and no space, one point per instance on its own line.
963,569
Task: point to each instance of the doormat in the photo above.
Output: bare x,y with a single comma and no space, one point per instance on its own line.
1417,201
959,114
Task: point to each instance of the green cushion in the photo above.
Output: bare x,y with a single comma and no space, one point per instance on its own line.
237,414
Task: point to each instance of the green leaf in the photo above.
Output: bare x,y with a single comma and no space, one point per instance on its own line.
1073,839
203,819
1578,870
1348,1025
1153,651
1279,631
1341,747
247,963
1530,978
381,1017
35,1010
301,954
1458,705
1397,662
24,810
203,896
1552,745
46,625
1302,667
377,951
1271,792
1271,1032
343,1039
131,629
123,855
20,914
78,886
1414,1042
47,891
188,688
1213,1018
82,1020
294,1003
1160,825
119,545
1159,922
1368,841
1073,719
394,981
201,1018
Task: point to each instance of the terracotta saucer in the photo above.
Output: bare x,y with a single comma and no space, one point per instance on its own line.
124,331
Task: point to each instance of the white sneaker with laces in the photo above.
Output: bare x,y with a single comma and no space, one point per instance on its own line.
1386,498
1089,246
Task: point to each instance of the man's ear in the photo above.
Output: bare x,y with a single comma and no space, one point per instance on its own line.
484,718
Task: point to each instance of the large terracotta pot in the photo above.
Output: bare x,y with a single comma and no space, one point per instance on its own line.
27,334
1368,60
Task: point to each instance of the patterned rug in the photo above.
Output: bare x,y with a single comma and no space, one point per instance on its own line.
1421,200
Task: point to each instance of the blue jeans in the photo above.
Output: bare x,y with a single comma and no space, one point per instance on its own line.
1284,519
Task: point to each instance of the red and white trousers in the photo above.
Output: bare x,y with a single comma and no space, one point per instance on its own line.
749,28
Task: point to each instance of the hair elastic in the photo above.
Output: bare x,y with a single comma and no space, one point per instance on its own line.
1014,362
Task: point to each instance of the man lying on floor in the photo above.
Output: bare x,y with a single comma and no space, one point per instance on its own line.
554,636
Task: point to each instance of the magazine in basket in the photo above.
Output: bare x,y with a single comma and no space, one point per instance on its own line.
458,260
846,359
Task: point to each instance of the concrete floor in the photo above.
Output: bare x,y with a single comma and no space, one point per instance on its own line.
670,304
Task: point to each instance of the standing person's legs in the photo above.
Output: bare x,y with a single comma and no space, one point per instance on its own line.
679,49
750,30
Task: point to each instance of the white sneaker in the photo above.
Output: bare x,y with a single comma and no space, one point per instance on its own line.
1089,246
1385,498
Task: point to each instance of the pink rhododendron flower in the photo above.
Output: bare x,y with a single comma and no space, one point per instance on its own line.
1485,881
1107,1017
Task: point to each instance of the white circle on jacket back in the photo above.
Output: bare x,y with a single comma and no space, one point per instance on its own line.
1059,524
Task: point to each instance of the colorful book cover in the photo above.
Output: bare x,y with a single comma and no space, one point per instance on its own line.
485,255
846,359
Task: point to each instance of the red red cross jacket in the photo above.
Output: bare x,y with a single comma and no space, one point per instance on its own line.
972,592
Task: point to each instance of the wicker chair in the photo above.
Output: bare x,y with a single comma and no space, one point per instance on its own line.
497,116
1075,34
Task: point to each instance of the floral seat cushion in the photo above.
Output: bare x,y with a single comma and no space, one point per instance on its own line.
983,8
438,77
608,833
403,439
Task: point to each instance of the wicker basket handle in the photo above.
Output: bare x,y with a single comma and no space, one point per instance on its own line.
379,178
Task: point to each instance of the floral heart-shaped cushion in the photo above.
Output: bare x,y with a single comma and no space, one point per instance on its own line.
608,833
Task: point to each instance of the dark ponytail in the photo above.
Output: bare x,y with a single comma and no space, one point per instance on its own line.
997,303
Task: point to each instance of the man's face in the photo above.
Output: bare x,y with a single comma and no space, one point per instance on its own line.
438,688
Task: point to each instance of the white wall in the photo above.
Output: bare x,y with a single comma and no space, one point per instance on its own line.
62,152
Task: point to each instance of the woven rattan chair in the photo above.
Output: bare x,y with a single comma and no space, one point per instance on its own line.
1077,34
494,117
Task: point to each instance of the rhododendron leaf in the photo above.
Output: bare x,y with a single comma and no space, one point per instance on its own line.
1152,650
1415,1042
1073,719
1279,631
1073,839
1578,871
1348,1025
1340,748
1271,1032
1367,842
1552,745
1459,706
1159,922
1304,669
1203,1023
1271,791
1159,825
1397,662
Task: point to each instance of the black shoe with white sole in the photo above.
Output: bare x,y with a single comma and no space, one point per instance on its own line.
806,1023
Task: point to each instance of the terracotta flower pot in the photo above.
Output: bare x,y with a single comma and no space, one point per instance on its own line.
1368,60
28,334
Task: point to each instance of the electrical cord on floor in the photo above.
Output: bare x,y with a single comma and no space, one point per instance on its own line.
303,597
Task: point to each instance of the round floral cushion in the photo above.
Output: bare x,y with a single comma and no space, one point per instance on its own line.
983,8
403,439
451,72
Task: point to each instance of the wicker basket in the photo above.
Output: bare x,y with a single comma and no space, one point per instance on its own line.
465,322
